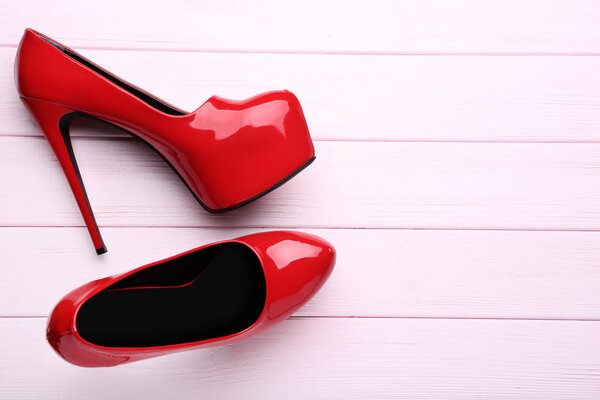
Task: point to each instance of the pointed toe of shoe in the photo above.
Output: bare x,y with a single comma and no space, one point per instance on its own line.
258,143
316,256
296,266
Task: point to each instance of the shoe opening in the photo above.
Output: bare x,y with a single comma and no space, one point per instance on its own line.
145,97
213,292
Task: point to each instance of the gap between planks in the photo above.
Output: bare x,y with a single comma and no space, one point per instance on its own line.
297,317
109,136
329,52
308,227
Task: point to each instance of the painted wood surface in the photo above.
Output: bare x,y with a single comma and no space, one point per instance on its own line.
380,273
359,97
379,26
351,184
332,358
457,174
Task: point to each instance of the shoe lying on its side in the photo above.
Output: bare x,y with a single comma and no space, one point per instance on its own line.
227,152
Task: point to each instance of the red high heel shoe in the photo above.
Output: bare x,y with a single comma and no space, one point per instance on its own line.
227,152
209,296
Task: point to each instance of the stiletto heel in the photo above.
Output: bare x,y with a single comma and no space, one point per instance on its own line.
54,121
227,152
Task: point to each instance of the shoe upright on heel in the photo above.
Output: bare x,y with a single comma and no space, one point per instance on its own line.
54,120
209,296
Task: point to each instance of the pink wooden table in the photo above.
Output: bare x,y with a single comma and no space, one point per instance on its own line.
457,173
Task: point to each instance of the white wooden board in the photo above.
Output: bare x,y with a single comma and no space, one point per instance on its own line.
379,273
374,98
330,358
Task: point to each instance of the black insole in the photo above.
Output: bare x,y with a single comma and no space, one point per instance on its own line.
226,295
145,97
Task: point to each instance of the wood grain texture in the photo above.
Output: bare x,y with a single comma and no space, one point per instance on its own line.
379,273
351,184
330,358
392,98
458,156
413,26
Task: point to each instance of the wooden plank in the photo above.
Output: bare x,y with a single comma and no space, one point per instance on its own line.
416,98
412,26
351,184
379,273
356,359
